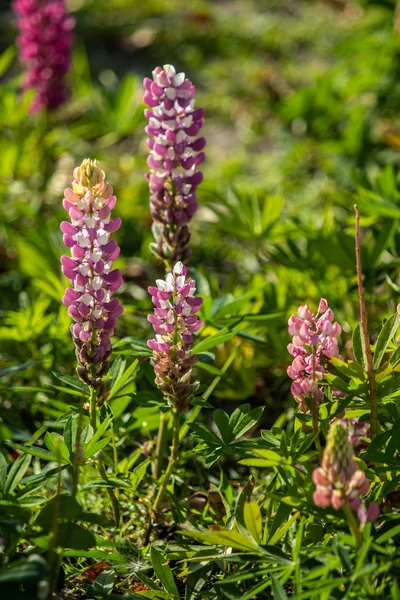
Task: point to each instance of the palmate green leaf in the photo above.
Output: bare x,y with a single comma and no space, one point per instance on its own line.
104,583
138,473
220,337
123,379
224,537
56,445
164,573
70,433
3,472
34,451
277,590
16,473
71,535
253,520
103,427
386,335
61,506
359,346
243,419
72,382
92,449
222,422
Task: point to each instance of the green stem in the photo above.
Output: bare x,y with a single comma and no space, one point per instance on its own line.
93,407
161,443
365,334
314,408
100,466
113,499
352,523
171,464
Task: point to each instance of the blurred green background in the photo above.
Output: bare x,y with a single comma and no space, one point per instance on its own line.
302,121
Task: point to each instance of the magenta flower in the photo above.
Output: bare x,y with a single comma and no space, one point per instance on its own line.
174,322
89,269
314,341
44,41
175,155
339,480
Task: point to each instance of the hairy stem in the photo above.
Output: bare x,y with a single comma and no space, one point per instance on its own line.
171,464
352,523
365,334
161,443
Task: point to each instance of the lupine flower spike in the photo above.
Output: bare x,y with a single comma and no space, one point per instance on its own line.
175,155
44,41
312,334
339,480
174,321
90,271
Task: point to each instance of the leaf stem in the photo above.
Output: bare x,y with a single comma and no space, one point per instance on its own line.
364,332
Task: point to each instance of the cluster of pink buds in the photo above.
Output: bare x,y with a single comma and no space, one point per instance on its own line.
45,40
90,271
174,322
175,155
314,341
338,480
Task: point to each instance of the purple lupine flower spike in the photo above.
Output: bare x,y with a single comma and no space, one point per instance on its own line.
338,480
89,269
174,322
175,155
310,331
44,41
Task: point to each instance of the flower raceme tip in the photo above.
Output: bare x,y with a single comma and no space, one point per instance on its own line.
314,341
175,155
339,480
89,269
44,41
174,321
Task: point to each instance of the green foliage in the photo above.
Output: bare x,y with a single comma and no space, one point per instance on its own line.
301,105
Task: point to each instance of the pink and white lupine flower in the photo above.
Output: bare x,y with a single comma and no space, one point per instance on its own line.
314,341
44,42
357,430
174,322
90,270
339,480
175,155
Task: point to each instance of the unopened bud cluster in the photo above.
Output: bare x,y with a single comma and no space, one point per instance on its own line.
338,480
314,341
90,270
174,321
175,155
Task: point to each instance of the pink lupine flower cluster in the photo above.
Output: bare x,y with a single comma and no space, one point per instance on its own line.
357,430
90,270
174,322
175,155
339,480
44,41
314,341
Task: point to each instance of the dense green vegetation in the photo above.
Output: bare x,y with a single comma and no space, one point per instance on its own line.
302,122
